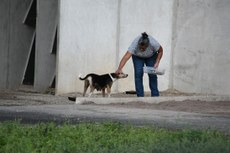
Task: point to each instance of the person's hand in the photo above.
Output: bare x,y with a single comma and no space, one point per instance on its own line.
118,71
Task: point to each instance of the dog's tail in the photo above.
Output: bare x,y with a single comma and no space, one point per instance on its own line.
83,78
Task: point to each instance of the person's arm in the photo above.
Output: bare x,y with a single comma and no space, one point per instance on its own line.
123,61
159,56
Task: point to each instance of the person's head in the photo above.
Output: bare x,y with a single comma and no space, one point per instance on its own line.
143,42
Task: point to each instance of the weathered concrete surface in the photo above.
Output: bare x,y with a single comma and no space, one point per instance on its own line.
201,47
15,42
151,100
155,17
94,35
4,46
194,35
45,62
16,37
88,35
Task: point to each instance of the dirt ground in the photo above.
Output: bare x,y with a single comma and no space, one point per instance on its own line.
27,97
219,107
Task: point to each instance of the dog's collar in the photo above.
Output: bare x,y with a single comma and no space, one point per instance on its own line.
112,77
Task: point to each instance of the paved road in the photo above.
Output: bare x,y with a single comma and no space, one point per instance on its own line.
74,113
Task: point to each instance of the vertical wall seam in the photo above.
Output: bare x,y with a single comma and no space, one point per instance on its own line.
36,48
8,45
57,51
118,37
173,43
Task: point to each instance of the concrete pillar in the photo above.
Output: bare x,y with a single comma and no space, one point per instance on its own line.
4,46
45,62
15,42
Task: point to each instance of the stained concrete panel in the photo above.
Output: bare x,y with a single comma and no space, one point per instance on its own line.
151,16
4,38
19,42
87,43
15,42
45,62
194,35
202,53
94,35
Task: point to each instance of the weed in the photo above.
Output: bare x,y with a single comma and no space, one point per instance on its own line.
107,137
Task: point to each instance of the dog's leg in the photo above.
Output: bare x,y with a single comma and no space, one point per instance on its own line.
85,87
91,90
109,90
103,92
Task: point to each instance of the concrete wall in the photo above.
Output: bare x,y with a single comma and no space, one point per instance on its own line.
154,17
87,40
94,35
17,32
45,62
201,47
4,47
15,42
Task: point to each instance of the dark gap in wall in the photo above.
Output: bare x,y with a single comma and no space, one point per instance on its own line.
29,74
30,18
54,49
53,83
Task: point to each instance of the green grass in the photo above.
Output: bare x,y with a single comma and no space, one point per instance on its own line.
107,138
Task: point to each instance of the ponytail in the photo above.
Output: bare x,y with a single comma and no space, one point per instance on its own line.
144,40
144,35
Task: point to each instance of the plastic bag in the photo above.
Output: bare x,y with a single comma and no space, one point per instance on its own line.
151,70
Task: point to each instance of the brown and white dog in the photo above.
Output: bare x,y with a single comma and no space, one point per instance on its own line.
99,82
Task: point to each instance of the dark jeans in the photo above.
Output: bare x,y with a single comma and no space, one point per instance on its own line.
138,64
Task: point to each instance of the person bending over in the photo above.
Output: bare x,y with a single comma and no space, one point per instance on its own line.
144,50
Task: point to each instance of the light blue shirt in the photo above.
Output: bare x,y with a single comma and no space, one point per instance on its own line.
150,50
